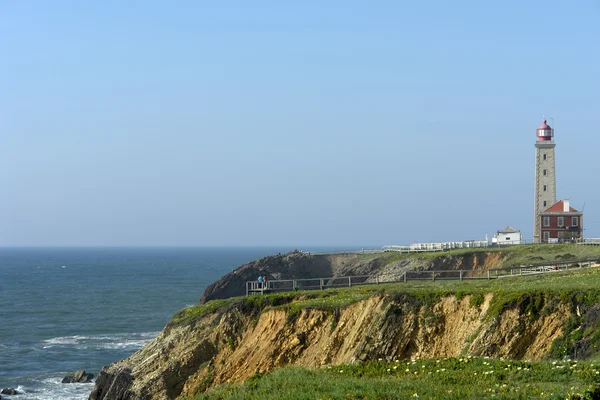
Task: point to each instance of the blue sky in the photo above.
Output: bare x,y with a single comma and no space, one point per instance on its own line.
290,123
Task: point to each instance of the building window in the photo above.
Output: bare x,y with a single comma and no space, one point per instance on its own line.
544,157
546,236
546,220
561,222
544,203
545,188
545,172
575,221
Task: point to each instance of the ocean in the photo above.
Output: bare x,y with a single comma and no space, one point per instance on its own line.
65,309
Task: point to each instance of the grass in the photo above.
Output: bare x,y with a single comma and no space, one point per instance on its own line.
512,255
252,305
582,285
534,295
193,313
331,299
559,283
447,378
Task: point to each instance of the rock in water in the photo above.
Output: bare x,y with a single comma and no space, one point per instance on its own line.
9,391
78,377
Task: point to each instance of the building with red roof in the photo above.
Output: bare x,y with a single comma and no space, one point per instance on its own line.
561,223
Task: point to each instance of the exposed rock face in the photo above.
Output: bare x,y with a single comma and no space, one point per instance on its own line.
299,265
115,387
234,344
293,265
78,377
9,391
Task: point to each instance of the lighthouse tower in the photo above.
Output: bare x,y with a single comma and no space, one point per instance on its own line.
545,177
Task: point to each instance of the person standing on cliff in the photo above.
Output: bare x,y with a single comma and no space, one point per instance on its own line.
260,280
265,282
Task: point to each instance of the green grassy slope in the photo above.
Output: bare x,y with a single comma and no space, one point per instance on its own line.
563,284
512,255
449,378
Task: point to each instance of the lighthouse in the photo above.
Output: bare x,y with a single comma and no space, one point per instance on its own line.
545,176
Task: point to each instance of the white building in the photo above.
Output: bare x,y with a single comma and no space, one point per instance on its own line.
506,236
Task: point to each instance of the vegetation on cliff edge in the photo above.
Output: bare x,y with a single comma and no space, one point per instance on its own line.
510,255
584,284
534,295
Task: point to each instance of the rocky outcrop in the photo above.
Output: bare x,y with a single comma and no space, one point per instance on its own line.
294,265
78,377
9,391
299,265
194,353
115,386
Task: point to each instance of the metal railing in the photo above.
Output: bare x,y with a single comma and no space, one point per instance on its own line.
288,285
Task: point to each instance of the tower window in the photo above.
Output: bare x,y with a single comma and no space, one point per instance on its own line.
544,203
544,157
575,221
545,188
546,221
561,222
545,172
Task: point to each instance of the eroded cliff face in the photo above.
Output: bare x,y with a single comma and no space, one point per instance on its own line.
231,345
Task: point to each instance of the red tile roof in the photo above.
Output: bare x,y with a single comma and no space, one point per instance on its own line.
558,207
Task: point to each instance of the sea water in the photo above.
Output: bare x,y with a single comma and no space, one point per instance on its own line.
65,309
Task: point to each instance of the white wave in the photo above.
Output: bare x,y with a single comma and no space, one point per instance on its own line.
70,391
102,341
51,388
126,344
62,340
52,381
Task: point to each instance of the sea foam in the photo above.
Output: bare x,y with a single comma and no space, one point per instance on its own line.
51,388
102,341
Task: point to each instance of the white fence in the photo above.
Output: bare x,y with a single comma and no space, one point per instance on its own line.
439,246
592,241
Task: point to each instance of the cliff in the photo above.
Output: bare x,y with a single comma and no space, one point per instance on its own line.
229,341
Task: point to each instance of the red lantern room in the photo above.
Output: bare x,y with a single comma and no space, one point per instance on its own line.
544,132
